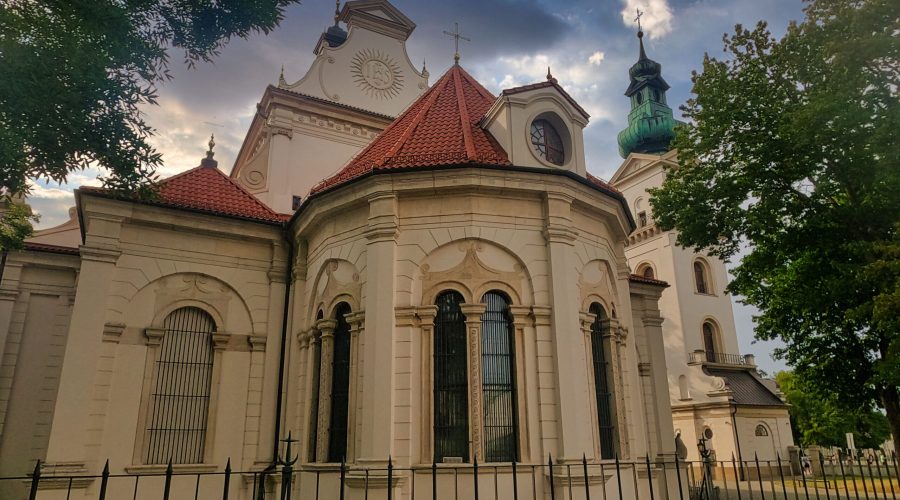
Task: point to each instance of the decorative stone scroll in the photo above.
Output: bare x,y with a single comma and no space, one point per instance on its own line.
472,273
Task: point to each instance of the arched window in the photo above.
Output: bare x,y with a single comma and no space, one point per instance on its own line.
179,403
451,388
646,270
602,386
701,279
340,386
498,381
761,430
709,341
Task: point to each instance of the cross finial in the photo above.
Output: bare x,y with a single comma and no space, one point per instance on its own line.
638,18
212,144
457,37
337,11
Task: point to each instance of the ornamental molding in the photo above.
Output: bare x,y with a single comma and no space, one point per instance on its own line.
472,273
343,127
377,74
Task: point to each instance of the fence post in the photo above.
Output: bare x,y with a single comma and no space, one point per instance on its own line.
515,481
168,485
104,479
35,480
550,468
824,475
678,475
390,485
781,475
649,477
475,474
587,488
737,478
261,487
227,479
433,479
618,476
762,491
342,478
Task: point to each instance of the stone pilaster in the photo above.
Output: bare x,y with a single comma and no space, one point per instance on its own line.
574,411
473,313
377,432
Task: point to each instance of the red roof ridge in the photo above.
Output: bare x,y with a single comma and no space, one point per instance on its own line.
464,116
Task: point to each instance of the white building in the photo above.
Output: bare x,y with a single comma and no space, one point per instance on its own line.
716,392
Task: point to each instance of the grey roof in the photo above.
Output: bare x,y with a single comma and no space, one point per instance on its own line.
746,389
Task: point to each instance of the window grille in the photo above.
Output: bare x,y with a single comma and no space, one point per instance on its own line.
601,384
498,381
648,272
179,406
700,278
761,431
451,389
340,386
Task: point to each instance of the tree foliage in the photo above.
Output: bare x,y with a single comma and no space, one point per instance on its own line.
823,419
792,157
75,74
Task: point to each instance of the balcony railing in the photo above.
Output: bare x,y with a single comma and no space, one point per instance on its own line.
702,356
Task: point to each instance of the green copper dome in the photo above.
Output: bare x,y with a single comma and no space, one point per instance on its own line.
651,126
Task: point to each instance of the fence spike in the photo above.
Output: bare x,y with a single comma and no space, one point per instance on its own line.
434,479
550,467
587,487
227,485
678,475
475,474
649,476
168,485
343,459
515,480
390,485
104,480
618,476
35,480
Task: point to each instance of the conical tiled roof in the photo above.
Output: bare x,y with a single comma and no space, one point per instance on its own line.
440,128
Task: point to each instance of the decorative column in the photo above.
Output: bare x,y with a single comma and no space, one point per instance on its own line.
326,327
587,319
426,315
311,400
357,323
569,355
377,432
614,342
521,318
76,434
473,313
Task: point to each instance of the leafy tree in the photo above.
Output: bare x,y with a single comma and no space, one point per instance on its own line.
824,419
76,72
792,156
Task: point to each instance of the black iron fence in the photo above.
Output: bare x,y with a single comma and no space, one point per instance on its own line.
756,479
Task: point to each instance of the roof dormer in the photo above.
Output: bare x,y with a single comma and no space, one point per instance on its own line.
539,125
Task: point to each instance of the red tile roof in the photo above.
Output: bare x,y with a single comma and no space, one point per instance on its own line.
207,189
545,84
649,281
601,183
440,128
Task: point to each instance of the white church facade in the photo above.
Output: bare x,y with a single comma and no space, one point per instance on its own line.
394,269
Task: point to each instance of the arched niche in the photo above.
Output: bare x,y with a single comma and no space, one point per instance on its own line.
596,284
336,281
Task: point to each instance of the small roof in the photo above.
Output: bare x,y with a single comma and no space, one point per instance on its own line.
746,389
550,82
207,189
440,128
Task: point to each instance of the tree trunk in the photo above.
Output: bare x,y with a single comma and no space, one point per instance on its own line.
890,398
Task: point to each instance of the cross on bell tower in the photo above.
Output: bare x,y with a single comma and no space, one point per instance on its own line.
457,37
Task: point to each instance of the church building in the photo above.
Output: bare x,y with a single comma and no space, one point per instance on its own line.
394,272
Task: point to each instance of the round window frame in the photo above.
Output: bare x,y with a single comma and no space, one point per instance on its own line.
565,135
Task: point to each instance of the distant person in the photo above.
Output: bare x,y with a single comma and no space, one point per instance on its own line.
807,466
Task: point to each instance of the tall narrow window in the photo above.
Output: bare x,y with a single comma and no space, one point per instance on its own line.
340,386
700,277
605,413
179,405
709,341
647,272
451,388
498,381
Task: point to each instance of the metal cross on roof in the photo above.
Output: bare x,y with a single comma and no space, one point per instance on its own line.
457,37
638,18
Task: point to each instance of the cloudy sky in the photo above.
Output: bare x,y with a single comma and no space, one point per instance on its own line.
589,44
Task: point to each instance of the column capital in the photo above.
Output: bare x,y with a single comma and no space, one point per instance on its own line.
257,342
326,327
112,332
521,316
98,254
472,312
541,315
427,314
154,335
